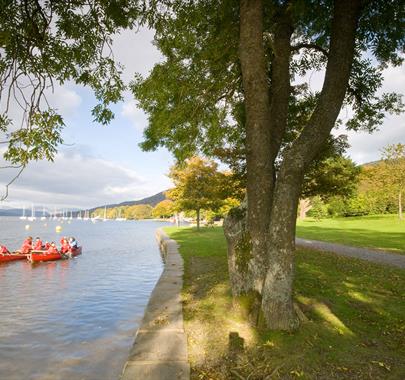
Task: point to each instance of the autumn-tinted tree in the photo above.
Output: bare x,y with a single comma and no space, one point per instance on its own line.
163,209
389,174
198,186
138,212
239,66
334,176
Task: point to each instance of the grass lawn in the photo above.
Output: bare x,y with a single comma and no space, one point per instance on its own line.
355,310
379,231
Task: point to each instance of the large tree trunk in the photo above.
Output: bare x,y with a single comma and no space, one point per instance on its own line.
248,227
259,167
277,302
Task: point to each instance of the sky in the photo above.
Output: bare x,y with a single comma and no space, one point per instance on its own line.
100,165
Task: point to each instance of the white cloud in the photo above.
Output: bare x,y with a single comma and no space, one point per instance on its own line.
64,99
76,180
366,147
394,79
134,114
136,51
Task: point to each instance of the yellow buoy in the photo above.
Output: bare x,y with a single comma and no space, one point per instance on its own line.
58,229
27,227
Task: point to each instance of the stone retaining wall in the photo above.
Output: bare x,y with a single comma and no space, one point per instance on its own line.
160,348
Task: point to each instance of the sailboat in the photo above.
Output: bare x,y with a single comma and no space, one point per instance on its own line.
105,214
43,217
119,219
23,217
79,215
32,217
86,217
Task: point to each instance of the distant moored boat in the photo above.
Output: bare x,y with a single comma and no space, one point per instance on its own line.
23,217
32,217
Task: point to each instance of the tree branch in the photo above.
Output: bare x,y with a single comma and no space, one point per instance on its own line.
280,80
341,52
3,197
310,46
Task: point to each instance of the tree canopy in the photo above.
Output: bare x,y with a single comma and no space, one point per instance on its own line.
194,98
164,209
44,43
387,177
234,85
198,186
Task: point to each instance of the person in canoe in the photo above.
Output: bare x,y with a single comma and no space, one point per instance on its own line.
27,245
47,245
65,245
52,248
4,250
38,244
73,243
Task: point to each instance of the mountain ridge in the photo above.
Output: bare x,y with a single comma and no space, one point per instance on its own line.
152,200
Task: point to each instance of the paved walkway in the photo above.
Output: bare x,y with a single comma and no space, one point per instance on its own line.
379,257
160,348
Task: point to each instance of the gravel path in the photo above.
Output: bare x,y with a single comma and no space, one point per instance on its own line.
379,257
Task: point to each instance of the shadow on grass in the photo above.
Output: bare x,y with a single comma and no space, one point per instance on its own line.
355,310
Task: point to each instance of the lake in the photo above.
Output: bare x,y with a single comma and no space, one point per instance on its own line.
75,319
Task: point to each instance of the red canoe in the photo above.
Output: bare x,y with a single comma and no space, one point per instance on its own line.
74,252
38,256
6,257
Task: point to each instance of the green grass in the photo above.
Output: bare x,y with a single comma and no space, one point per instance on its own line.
356,314
384,232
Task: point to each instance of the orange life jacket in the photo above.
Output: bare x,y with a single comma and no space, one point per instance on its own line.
26,247
52,250
38,245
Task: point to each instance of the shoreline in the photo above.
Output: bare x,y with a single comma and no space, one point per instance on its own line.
160,346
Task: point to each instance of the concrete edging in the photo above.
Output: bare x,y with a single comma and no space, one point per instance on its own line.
160,348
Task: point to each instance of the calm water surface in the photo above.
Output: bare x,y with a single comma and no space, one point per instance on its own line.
75,319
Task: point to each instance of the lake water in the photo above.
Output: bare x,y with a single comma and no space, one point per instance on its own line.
75,319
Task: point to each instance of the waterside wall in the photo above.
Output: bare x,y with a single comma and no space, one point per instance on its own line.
160,348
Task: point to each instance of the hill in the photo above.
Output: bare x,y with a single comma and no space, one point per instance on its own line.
152,201
19,212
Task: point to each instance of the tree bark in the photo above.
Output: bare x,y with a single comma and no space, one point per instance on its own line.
277,302
198,219
237,236
258,147
400,205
